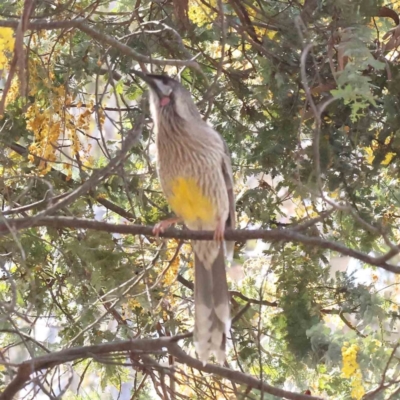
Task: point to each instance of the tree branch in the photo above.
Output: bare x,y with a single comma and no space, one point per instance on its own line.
82,25
97,175
272,235
234,376
27,368
253,301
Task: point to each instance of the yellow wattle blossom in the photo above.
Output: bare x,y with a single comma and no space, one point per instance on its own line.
133,303
172,271
370,151
351,370
13,94
199,14
6,45
260,32
128,307
50,118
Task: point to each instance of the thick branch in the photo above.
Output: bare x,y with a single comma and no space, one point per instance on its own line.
235,376
138,346
273,235
61,357
82,25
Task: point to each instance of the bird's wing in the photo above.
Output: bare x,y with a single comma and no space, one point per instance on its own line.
228,178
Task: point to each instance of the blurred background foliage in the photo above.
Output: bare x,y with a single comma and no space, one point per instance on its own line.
306,94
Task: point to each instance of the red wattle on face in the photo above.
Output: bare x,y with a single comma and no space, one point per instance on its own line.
164,101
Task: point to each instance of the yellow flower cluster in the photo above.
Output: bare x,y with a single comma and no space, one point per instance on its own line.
260,32
49,117
199,15
374,147
6,45
172,271
351,370
128,307
46,130
13,93
187,250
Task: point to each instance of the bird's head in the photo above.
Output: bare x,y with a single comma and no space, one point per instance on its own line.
167,95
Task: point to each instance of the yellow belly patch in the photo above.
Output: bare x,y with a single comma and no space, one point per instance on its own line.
188,201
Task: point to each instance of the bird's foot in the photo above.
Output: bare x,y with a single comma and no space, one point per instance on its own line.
161,226
219,231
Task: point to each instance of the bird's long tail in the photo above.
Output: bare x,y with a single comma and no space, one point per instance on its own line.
212,319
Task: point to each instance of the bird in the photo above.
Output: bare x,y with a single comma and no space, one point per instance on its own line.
195,172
